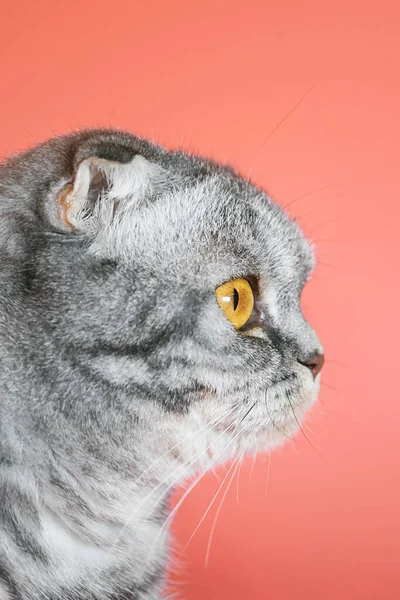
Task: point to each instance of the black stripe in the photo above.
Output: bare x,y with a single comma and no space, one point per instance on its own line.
16,509
11,586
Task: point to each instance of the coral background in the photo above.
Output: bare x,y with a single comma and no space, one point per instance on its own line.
219,77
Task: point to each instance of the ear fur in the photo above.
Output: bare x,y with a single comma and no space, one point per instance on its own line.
98,187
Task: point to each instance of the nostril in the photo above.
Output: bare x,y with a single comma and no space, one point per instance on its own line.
315,364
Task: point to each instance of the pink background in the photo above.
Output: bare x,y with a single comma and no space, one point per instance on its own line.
217,77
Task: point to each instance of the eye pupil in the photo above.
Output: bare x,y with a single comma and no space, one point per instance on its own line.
235,298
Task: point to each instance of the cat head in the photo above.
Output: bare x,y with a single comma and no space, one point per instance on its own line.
166,288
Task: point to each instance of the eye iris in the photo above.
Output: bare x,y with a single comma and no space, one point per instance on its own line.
236,299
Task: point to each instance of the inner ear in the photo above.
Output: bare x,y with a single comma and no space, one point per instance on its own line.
78,199
97,186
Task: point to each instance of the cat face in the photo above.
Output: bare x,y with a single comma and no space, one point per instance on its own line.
172,287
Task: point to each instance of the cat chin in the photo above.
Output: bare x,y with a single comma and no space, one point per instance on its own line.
287,424
273,435
229,430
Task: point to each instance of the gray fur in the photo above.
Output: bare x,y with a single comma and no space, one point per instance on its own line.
120,375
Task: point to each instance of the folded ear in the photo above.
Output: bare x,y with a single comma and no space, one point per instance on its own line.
99,186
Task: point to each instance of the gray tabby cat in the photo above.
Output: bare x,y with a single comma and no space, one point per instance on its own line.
150,329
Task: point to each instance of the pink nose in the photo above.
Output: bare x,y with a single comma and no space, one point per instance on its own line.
315,364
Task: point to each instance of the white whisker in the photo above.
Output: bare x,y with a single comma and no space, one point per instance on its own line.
237,482
208,508
191,487
235,462
238,462
163,482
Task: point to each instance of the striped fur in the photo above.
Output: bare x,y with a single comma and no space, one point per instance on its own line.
120,375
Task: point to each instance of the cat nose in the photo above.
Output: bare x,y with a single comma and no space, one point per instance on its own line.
315,363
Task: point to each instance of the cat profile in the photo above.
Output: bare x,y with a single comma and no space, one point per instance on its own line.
150,329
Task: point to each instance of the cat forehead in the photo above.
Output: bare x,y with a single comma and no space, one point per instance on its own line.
187,224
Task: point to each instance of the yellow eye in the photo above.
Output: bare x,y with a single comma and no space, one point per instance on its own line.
236,299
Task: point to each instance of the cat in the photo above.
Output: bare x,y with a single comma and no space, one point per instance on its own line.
150,329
